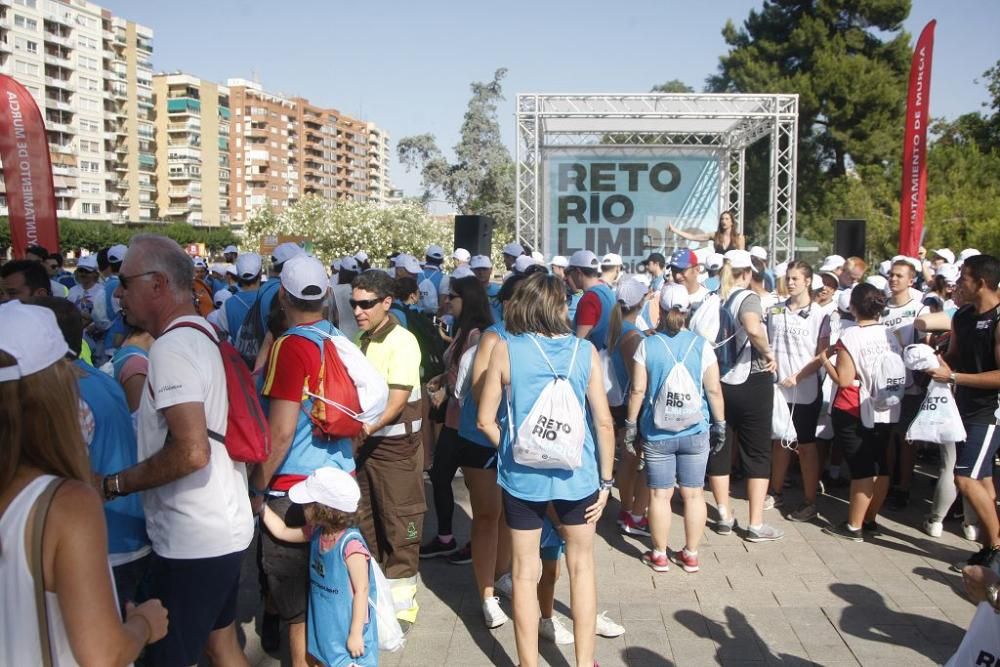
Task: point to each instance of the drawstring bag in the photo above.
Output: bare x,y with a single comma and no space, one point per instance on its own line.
612,387
782,426
552,434
678,402
938,420
981,644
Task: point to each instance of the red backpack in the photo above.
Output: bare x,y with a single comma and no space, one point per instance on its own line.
248,436
335,403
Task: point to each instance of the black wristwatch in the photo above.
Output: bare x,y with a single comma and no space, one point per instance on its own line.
607,484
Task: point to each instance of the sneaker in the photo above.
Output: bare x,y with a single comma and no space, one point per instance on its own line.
505,586
622,516
493,614
805,513
971,532
871,527
687,560
633,527
845,532
270,632
436,548
462,556
765,533
553,630
725,526
933,528
656,563
608,628
773,500
978,558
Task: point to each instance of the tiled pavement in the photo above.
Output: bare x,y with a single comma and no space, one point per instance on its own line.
808,599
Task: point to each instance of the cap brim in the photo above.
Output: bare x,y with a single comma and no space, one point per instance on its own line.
299,494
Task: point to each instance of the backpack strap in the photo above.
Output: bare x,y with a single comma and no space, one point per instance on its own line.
41,512
572,361
213,435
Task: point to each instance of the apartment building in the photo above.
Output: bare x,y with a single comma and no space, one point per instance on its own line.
192,150
379,157
90,73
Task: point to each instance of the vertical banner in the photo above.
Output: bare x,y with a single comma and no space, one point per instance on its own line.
27,171
914,188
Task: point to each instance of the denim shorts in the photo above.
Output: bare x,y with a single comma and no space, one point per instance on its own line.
680,460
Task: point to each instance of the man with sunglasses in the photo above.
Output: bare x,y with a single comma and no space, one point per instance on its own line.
390,459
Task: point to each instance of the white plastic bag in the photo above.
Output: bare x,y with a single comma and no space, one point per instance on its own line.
390,634
705,319
552,435
782,427
938,420
463,381
981,644
678,403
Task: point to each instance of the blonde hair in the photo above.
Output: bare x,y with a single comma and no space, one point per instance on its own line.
725,280
40,423
538,305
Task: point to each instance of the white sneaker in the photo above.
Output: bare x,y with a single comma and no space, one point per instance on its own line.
971,533
493,614
608,628
553,630
504,586
933,528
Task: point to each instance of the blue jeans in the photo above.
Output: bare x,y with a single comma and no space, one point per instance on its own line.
681,460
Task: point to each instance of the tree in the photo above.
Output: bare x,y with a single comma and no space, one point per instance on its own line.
91,235
672,86
481,179
340,228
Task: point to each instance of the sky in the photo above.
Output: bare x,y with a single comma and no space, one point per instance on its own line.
407,66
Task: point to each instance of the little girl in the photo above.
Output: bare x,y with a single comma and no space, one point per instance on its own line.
340,631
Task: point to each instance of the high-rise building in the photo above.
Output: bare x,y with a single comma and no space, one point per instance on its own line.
90,73
192,150
379,186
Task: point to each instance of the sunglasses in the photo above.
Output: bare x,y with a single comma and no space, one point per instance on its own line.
125,279
364,304
454,296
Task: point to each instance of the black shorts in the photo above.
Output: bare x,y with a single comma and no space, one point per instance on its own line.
286,565
472,455
805,418
200,596
748,413
618,414
907,413
865,449
528,515
975,455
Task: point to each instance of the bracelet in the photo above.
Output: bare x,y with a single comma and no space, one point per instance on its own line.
111,486
952,379
607,484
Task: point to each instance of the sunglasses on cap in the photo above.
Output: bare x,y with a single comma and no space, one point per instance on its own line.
364,304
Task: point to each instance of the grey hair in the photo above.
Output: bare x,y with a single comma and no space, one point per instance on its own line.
164,255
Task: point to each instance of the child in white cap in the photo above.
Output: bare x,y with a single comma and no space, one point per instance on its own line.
340,630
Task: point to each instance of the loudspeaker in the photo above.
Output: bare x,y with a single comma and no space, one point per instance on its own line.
849,238
474,233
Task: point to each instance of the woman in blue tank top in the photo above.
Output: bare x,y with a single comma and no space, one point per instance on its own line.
540,365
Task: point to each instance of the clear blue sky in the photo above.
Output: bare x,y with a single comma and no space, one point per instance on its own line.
407,65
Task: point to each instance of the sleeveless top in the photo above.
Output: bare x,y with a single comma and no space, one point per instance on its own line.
658,367
793,335
975,333
236,309
529,375
599,334
867,345
19,641
468,416
331,598
618,362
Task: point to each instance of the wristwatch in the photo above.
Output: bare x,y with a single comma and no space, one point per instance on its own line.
992,592
951,378
607,484
111,487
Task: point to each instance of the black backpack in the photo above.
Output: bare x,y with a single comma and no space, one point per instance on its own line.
251,334
431,344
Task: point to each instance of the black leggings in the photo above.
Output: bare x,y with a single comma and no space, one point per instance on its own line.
442,473
748,414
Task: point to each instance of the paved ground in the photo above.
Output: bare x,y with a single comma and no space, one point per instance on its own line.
809,599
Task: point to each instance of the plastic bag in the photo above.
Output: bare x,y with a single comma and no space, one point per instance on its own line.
981,644
782,428
390,634
938,420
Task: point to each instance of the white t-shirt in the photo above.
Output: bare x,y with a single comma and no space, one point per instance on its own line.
345,314
698,296
85,300
206,513
900,321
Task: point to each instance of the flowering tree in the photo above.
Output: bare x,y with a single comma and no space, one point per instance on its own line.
341,228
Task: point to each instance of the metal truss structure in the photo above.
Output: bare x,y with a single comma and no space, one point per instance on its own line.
728,123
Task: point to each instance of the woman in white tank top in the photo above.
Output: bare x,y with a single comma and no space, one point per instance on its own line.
41,444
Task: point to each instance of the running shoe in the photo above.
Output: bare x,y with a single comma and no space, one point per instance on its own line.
807,512
773,500
656,563
462,556
725,526
844,532
622,515
553,630
608,628
493,614
978,558
970,532
505,586
438,549
871,527
633,527
933,528
687,560
766,533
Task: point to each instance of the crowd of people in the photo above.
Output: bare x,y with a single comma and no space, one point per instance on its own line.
547,382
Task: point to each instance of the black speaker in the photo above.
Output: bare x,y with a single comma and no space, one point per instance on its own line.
474,233
849,238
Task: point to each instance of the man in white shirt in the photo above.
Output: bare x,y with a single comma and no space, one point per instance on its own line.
684,271
195,497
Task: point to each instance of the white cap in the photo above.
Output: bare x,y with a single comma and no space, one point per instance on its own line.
878,282
584,259
513,249
218,268
523,263
631,292
248,265
611,259
947,255
781,270
286,251
643,278
844,300
967,253
408,263
462,271
885,267
817,282
361,256
832,263
199,262
758,252
328,486
950,272
703,253
538,257
739,259
32,353
912,261
305,278
231,270
116,253
88,263
221,297
714,261
675,296
559,260
434,251
461,255
480,262
228,249
349,264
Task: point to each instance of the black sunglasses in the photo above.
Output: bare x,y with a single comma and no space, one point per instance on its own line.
452,295
364,304
124,279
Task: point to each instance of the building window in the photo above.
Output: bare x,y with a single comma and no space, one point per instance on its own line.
22,67
87,63
90,166
85,42
32,4
25,22
87,125
86,83
22,44
90,187
91,209
88,146
90,104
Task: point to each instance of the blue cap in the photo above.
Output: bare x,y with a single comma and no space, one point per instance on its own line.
684,258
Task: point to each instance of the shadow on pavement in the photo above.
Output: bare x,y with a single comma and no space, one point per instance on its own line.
737,639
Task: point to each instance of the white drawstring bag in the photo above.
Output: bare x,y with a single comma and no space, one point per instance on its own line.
938,420
463,381
981,644
373,392
390,634
552,435
678,402
782,427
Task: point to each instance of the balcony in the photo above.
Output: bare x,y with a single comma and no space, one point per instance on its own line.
5,47
66,192
181,105
64,170
52,103
54,38
58,83
59,19
119,93
181,175
64,149
59,127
